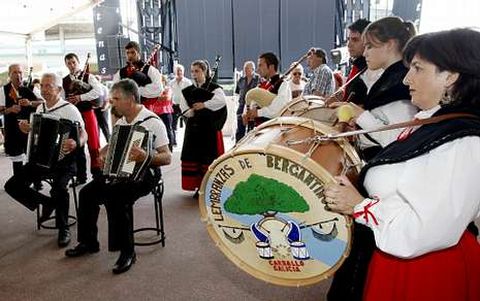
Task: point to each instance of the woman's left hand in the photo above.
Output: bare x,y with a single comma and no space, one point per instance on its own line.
198,106
357,110
341,197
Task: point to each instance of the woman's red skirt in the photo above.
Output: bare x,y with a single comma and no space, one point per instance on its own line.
452,274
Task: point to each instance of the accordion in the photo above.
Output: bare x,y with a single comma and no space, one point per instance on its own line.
46,137
124,137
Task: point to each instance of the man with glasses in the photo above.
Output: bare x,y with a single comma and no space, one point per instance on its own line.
297,83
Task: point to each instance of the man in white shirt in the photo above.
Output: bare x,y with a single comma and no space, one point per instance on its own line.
18,187
120,195
177,84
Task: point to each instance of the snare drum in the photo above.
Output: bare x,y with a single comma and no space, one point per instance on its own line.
262,202
310,106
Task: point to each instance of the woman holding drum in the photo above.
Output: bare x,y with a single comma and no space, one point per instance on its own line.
387,102
420,193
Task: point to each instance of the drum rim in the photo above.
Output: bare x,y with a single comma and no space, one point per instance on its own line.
313,125
299,99
311,166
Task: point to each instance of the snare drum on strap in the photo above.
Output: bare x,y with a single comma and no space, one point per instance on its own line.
310,106
262,202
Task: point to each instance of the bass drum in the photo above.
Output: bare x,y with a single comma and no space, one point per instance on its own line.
262,202
310,106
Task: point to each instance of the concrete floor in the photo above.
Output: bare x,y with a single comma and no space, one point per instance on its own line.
190,267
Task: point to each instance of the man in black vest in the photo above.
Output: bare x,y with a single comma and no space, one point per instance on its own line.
83,90
147,77
16,102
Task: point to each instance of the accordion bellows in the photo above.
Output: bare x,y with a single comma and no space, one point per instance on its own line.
124,137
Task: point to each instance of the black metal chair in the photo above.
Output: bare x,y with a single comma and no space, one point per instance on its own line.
158,229
72,220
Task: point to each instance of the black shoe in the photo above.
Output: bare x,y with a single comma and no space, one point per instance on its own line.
38,186
195,196
80,250
63,237
96,173
47,210
79,181
124,262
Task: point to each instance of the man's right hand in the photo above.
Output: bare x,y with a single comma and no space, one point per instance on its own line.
13,109
24,126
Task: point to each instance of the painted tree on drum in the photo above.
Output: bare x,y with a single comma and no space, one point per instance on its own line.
275,236
265,196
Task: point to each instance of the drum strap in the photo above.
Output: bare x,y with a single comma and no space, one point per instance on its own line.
412,123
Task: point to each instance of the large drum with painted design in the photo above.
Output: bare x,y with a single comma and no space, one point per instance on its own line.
262,202
310,106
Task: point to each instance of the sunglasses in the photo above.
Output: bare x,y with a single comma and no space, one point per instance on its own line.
297,73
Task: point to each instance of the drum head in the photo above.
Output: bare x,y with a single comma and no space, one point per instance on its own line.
310,106
263,208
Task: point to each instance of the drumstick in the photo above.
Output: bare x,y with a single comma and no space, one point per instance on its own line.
342,88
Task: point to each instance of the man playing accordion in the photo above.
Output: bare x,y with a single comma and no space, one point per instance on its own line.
117,195
18,186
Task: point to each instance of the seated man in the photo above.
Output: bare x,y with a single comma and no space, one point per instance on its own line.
120,195
18,186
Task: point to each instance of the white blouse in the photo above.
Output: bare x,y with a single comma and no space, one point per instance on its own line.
425,203
391,113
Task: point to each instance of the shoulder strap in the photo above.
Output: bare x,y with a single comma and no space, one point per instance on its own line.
148,118
57,108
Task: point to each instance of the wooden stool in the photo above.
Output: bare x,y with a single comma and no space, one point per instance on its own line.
157,204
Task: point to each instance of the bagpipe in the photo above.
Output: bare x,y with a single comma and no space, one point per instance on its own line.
262,96
195,94
135,71
80,85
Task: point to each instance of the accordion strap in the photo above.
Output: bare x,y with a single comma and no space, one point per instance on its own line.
142,121
53,110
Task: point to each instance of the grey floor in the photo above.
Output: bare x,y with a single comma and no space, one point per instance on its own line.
190,267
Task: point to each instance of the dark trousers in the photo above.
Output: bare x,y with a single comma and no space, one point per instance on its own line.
18,187
17,168
176,114
167,120
241,129
118,198
81,160
102,120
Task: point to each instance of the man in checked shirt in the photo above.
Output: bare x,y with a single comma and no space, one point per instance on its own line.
321,82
